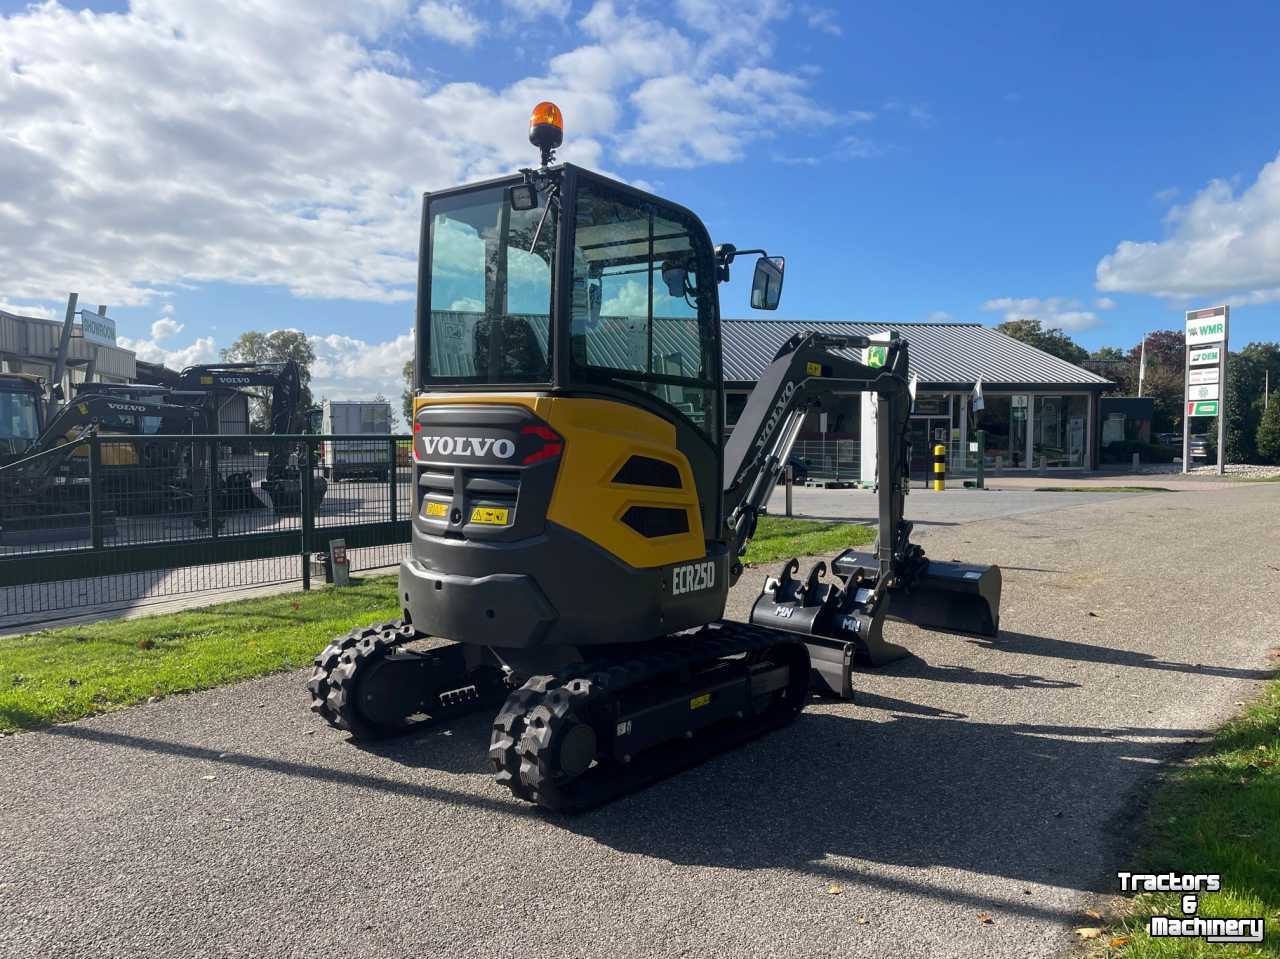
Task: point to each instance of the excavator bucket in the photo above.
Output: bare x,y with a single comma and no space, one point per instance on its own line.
842,620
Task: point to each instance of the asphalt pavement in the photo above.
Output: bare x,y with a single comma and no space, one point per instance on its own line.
982,778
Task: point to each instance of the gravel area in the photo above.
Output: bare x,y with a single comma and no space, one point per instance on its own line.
990,778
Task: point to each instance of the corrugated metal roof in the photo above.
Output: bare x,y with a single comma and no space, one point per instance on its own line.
941,353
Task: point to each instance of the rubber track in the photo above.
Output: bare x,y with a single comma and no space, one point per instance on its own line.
337,672
537,714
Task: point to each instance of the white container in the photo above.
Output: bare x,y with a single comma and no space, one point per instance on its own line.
348,458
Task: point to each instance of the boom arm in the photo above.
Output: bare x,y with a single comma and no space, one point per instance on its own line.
805,375
88,411
283,378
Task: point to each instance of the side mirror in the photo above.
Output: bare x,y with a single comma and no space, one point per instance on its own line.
766,285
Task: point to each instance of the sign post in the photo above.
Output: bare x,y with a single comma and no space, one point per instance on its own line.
1204,376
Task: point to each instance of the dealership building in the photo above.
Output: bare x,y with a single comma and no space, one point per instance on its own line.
1040,412
29,344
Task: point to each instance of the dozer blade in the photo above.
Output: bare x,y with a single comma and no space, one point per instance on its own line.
950,596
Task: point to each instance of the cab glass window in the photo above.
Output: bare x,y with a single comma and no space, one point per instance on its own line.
490,290
642,314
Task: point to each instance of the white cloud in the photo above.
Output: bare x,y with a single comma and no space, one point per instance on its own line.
1166,195
531,9
288,143
164,329
202,350
348,368
450,22
822,18
1219,243
28,309
939,316
1054,313
918,113
1104,303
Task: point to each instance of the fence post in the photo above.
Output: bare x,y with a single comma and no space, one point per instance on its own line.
790,474
982,457
392,473
95,494
211,459
305,469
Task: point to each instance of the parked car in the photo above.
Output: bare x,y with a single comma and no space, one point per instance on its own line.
1169,439
1201,448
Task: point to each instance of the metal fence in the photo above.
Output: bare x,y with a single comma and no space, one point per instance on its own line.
838,460
127,519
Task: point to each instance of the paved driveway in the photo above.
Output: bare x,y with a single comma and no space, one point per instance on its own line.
992,777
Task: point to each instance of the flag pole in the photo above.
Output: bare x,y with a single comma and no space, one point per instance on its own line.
1142,363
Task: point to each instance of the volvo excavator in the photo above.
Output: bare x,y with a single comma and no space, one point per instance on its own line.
578,522
49,483
208,387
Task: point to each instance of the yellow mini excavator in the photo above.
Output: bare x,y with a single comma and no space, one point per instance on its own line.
578,521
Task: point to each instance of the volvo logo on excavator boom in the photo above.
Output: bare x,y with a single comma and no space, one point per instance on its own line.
778,409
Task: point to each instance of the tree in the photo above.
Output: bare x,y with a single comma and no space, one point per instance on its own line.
274,347
407,396
1163,383
1268,437
1241,426
1108,354
1053,341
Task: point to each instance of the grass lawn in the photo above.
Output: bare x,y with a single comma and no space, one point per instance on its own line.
1220,813
62,674
58,675
779,538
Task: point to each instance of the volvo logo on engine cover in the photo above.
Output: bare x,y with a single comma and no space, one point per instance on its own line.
468,446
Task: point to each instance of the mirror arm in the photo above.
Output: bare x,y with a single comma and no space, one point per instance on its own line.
725,254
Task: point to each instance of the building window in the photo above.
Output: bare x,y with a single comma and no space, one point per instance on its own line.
1060,427
1005,420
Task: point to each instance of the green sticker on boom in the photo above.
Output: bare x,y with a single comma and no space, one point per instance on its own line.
877,355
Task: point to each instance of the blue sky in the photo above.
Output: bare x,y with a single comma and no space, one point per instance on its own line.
1101,166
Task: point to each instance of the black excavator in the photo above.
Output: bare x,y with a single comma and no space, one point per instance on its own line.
578,522
22,406
208,386
282,484
49,483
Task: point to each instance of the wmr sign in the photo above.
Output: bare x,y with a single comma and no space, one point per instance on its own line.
1207,326
1204,377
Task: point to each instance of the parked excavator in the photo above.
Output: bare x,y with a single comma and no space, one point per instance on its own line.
208,386
49,483
578,521
282,485
22,405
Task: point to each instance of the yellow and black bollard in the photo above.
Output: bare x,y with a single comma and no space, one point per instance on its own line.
939,468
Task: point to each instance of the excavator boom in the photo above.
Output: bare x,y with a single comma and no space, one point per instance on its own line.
843,619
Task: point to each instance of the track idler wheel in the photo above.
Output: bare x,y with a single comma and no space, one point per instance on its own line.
338,671
557,746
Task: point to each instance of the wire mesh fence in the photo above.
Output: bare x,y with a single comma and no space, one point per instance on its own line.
115,519
832,460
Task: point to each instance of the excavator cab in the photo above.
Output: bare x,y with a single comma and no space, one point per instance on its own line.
21,414
569,418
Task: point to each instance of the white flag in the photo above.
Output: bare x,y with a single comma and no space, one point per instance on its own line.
978,402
